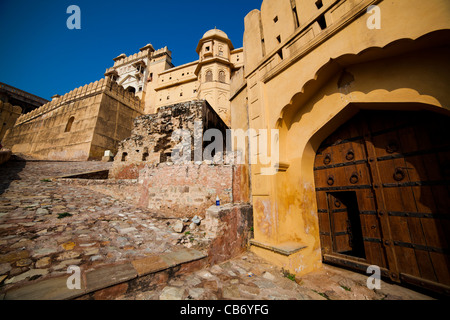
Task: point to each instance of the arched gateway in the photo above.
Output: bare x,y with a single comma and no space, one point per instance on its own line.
383,195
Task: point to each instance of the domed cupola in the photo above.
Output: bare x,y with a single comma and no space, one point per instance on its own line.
214,43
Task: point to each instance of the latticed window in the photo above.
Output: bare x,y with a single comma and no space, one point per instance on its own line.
209,76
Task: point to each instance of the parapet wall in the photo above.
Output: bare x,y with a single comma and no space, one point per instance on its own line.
77,126
119,61
104,85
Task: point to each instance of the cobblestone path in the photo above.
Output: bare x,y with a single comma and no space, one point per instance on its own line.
45,226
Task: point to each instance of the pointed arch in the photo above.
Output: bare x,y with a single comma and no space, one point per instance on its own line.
69,124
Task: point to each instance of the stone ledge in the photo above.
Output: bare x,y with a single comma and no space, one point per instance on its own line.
109,276
90,175
286,249
49,289
98,279
158,263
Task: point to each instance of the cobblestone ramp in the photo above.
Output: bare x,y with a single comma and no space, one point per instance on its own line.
47,226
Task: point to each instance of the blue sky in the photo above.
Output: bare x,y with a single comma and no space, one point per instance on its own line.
39,54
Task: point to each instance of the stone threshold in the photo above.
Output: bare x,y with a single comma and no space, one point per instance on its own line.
105,277
94,175
286,249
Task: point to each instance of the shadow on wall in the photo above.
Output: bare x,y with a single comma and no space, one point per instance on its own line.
9,172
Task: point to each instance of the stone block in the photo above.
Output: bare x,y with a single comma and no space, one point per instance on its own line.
107,159
172,293
111,293
109,276
49,289
149,265
183,256
108,153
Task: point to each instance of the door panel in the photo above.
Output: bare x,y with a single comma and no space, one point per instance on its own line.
339,225
397,166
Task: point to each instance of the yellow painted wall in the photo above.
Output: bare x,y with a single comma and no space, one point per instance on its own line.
402,65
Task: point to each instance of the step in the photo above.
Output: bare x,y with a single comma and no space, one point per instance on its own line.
93,281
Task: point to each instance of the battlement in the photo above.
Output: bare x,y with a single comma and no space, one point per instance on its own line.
116,91
161,52
123,59
147,53
105,85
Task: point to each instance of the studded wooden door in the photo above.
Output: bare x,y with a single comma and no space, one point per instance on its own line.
383,195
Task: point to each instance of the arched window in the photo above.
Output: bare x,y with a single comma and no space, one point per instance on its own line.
124,156
131,89
222,76
69,124
209,76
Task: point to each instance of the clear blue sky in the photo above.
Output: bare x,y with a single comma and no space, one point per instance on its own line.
39,54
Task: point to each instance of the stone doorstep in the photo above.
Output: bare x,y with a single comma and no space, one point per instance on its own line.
94,280
285,249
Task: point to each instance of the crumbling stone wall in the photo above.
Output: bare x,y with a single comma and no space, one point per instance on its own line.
8,117
78,126
185,190
151,139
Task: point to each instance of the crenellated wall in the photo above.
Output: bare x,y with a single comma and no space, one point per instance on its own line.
79,125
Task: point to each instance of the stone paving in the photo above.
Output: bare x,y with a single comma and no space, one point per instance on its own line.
45,226
249,277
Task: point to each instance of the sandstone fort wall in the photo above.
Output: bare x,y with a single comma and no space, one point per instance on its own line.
74,127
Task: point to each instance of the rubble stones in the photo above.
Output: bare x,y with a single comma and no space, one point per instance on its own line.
178,227
172,293
42,211
197,220
192,226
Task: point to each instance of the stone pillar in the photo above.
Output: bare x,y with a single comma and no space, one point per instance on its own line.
230,227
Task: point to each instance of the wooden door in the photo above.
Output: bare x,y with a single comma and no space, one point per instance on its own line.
392,169
340,225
